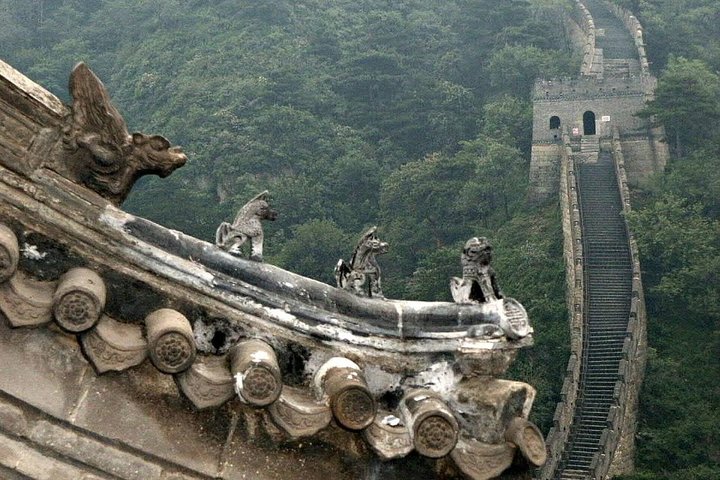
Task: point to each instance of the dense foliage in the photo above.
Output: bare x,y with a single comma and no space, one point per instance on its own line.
414,116
677,224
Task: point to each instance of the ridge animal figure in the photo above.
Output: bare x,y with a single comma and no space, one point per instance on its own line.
108,159
247,224
362,276
478,284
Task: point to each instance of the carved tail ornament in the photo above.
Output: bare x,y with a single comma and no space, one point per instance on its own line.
99,152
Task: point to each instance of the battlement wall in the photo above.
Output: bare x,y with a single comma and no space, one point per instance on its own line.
636,31
589,88
592,58
575,298
589,107
617,453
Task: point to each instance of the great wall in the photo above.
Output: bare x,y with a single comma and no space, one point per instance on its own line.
587,140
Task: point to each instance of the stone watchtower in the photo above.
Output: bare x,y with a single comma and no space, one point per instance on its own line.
613,86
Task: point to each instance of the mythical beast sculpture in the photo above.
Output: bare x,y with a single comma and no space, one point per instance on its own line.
105,157
247,224
362,276
478,283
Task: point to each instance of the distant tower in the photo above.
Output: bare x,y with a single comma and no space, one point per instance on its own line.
613,85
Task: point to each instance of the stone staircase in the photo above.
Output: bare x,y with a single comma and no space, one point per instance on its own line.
621,67
590,144
608,293
613,38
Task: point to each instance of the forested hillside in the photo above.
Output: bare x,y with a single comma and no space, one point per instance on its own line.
413,116
677,224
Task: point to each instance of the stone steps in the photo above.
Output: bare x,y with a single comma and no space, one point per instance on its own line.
608,286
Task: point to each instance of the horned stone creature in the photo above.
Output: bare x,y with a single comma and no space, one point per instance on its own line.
478,283
362,276
105,157
247,225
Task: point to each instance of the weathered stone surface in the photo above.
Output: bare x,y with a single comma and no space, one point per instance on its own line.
27,462
389,437
143,408
79,300
113,345
491,404
208,382
298,414
26,302
491,362
92,452
48,368
481,461
170,340
12,419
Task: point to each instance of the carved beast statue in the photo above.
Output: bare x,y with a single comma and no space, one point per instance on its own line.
247,224
478,283
104,156
362,276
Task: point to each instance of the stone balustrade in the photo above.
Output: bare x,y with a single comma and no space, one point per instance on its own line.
574,275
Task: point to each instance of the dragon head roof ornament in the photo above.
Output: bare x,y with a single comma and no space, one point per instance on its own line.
103,155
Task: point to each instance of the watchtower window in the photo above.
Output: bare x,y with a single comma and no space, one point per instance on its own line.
588,123
554,122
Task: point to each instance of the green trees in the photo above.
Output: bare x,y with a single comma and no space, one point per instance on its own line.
676,223
687,28
687,102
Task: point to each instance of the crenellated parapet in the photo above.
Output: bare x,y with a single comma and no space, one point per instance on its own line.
563,89
618,453
592,56
632,24
574,278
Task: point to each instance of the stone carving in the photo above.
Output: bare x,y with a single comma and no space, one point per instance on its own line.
113,345
26,302
298,414
106,158
478,283
363,275
482,461
247,225
389,437
342,382
9,253
254,367
433,427
79,300
170,340
208,382
528,439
